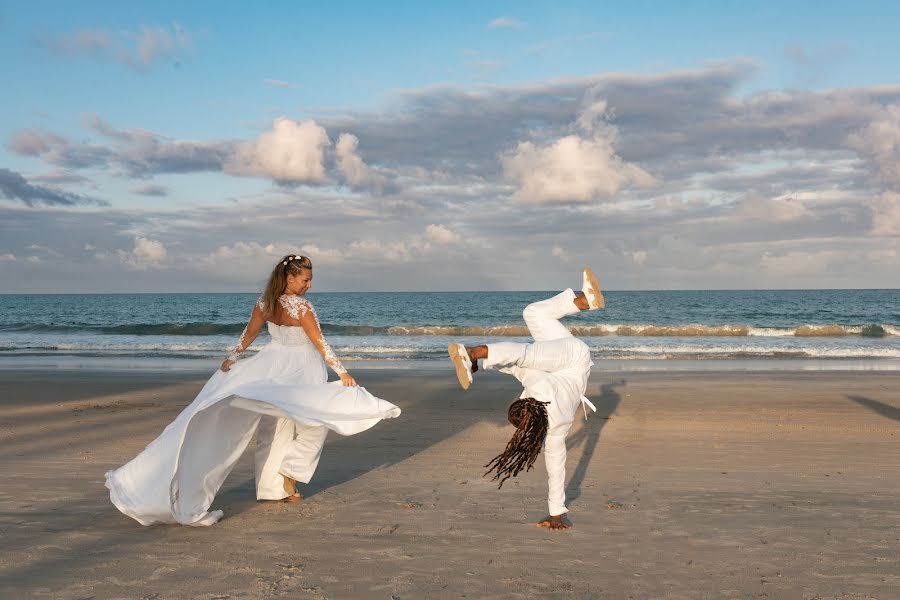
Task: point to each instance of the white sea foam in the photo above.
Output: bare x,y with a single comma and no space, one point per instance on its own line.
701,351
771,332
610,340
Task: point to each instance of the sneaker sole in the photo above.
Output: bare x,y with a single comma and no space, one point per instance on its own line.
595,288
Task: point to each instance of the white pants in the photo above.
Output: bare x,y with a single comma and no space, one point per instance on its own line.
553,369
285,448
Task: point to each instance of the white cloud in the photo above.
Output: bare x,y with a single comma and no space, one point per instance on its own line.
280,84
349,162
7,257
149,250
415,248
506,23
322,256
879,142
559,252
146,254
639,256
137,50
245,257
441,234
592,118
783,208
365,250
292,152
45,249
575,168
32,143
886,214
33,259
255,256
243,250
740,175
157,42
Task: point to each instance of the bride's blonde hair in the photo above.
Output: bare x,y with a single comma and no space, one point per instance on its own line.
292,264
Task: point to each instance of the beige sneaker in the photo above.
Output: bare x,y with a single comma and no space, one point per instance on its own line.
591,289
462,362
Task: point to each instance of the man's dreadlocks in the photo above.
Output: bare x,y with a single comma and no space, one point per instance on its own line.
530,418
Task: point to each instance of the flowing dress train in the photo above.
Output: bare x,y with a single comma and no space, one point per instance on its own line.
176,477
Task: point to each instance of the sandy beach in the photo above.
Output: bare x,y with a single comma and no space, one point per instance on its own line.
682,485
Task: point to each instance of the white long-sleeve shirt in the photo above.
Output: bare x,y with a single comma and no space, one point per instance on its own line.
556,372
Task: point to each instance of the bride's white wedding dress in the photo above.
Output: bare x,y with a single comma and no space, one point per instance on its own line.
176,477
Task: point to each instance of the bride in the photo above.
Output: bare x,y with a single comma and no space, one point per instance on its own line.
281,393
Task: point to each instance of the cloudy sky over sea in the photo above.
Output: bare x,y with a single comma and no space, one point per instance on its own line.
449,146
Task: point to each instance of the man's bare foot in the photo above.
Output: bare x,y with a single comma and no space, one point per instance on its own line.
555,523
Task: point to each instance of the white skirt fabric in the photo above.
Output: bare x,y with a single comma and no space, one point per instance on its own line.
176,477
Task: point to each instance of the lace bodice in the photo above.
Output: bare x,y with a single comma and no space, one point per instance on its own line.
296,306
307,332
289,335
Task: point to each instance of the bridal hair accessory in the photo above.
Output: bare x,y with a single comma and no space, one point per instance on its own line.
290,259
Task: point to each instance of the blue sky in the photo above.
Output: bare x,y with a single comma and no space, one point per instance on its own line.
743,88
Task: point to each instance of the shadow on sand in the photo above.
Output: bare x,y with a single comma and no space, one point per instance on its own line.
885,410
449,411
589,436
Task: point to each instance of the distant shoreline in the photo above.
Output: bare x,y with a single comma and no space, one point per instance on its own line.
313,293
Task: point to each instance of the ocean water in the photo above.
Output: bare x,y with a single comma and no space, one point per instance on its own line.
408,327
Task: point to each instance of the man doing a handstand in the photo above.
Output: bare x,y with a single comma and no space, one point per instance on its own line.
554,370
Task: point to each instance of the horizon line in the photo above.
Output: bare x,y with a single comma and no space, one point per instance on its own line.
459,291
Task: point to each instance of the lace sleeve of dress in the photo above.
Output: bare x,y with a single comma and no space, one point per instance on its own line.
243,342
299,307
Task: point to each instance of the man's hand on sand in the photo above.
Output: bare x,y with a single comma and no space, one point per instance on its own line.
555,523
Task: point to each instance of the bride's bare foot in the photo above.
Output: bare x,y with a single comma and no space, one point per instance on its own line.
295,497
290,486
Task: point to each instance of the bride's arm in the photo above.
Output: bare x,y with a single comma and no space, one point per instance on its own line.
254,326
310,323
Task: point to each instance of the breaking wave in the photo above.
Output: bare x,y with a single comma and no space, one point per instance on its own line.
872,330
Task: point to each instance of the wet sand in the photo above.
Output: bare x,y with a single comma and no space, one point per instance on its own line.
683,485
